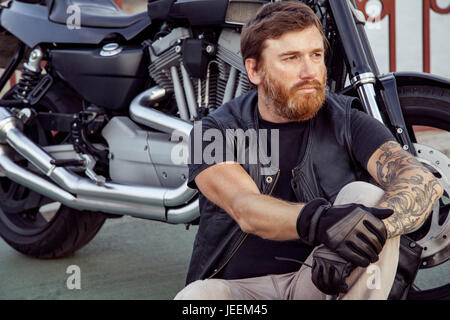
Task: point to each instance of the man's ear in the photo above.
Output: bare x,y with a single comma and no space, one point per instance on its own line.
254,75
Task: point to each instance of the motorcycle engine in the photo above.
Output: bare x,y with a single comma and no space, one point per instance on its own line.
225,77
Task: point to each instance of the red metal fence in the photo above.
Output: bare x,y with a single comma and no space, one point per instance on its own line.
388,9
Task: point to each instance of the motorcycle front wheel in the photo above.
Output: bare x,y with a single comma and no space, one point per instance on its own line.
426,110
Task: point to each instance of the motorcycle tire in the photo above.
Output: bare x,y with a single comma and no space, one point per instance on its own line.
23,225
427,106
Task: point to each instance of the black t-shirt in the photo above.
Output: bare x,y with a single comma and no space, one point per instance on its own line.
292,145
257,256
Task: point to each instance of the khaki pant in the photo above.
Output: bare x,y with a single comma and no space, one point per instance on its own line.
373,282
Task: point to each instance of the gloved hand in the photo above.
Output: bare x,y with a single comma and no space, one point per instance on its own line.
329,271
354,231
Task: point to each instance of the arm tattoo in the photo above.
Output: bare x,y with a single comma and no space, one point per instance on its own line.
410,189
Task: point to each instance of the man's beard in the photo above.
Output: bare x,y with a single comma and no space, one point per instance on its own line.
290,103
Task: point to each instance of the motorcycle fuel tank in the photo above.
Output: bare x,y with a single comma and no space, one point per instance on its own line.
30,23
109,76
200,12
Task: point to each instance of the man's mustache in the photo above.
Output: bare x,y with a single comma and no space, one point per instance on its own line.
308,83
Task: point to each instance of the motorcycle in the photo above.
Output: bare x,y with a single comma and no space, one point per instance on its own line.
88,129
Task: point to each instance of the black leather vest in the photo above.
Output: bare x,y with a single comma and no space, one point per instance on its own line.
325,168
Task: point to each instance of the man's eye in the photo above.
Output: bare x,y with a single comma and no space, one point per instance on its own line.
291,58
317,55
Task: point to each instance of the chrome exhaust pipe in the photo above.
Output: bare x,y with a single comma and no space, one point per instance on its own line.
82,186
135,200
42,186
36,183
141,112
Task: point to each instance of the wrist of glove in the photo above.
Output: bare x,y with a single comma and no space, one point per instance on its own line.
329,271
308,220
354,231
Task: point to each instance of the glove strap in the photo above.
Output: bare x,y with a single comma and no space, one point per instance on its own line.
315,221
309,217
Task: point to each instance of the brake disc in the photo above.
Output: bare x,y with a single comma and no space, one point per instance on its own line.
436,242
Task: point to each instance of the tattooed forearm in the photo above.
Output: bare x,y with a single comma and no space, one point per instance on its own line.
410,189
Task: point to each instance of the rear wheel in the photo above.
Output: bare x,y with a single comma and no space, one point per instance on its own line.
32,224
426,111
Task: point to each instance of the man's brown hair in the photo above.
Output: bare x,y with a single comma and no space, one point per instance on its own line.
271,22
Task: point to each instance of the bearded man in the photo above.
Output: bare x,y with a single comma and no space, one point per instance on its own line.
317,207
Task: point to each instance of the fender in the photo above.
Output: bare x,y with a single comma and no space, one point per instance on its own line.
30,24
407,78
420,78
386,87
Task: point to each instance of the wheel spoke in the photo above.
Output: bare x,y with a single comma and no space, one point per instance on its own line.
20,193
11,191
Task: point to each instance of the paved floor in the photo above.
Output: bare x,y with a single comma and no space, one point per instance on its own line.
128,259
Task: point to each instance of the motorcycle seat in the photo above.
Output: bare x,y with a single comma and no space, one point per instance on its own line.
93,13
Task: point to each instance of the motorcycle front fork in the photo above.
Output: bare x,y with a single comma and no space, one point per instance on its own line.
382,91
378,93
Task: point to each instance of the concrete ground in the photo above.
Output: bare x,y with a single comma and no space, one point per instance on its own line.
128,259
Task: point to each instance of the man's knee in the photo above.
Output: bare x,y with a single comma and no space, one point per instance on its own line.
210,289
359,192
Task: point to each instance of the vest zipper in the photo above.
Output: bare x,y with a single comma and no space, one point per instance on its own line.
245,235
307,187
274,183
305,184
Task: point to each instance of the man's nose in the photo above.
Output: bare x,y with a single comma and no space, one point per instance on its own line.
308,69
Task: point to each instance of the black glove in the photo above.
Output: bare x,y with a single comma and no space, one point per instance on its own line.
329,271
353,230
